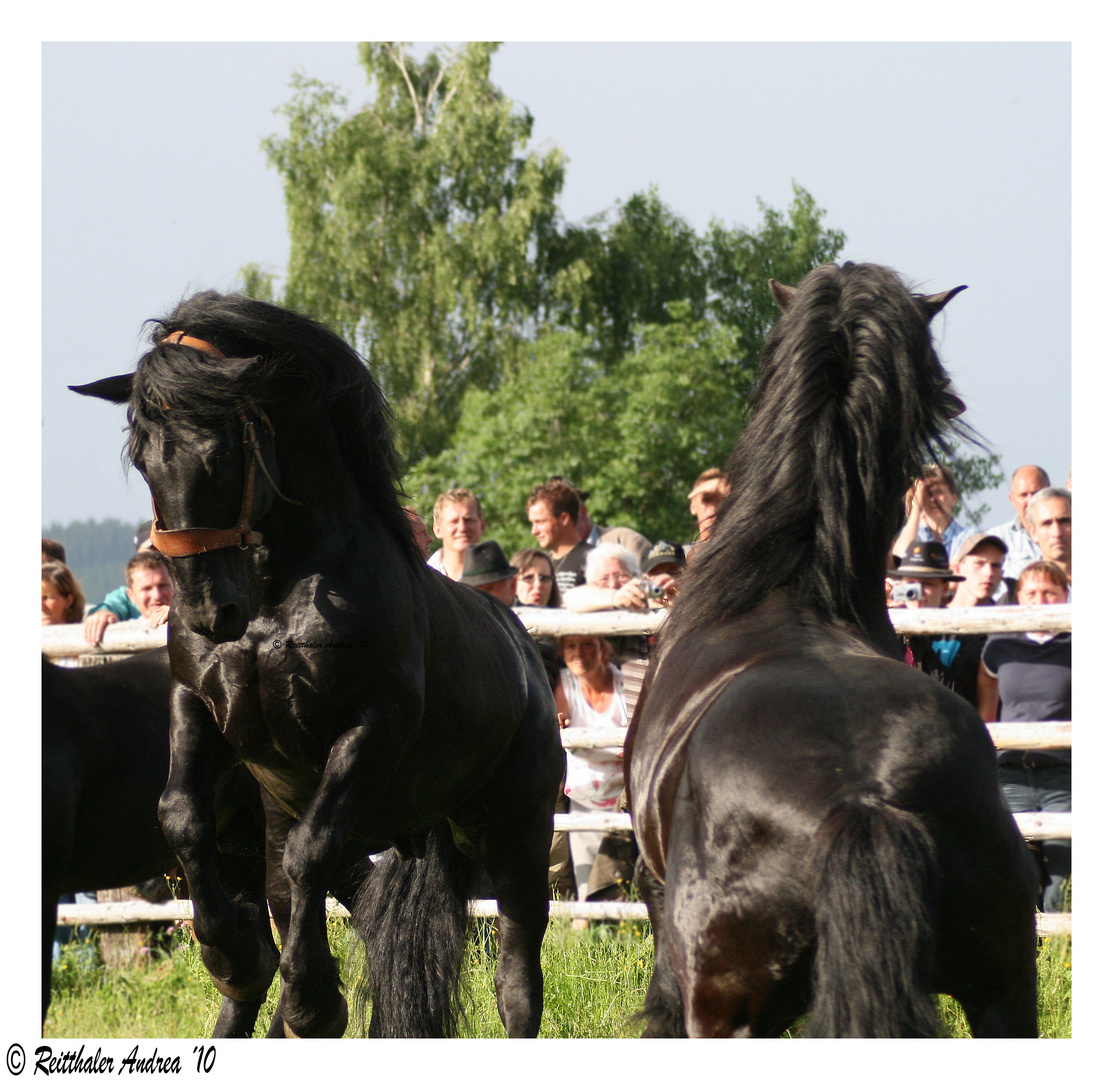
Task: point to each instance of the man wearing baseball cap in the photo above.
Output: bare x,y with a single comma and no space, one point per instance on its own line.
980,560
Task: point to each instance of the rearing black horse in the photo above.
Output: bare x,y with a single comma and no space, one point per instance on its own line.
379,705
825,820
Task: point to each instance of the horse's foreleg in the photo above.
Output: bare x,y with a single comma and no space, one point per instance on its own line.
663,1011
234,933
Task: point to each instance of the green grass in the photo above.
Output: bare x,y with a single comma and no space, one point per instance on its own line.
595,981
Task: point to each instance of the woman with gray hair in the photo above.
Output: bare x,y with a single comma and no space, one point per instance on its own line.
612,581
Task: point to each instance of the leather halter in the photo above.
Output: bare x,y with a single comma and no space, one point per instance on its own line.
177,543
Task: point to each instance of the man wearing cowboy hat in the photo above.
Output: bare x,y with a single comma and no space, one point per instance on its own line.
925,563
950,658
486,569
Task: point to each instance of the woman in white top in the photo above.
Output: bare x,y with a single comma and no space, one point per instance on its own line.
589,695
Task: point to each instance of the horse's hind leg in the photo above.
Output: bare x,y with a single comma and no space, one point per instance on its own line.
997,986
359,765
242,874
233,932
1003,1004
733,916
516,839
519,872
663,1010
986,946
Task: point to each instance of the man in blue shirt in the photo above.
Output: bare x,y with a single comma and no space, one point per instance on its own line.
148,593
1026,481
930,506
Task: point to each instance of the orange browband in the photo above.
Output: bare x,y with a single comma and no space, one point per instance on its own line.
182,338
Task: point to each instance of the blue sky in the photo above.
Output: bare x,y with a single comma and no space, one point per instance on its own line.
949,162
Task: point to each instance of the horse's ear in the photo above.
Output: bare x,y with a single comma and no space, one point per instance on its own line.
782,294
116,388
236,367
932,305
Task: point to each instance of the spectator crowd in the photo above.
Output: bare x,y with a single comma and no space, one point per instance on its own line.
584,566
1011,677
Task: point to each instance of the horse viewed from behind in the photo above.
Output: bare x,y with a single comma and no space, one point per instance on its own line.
820,824
380,706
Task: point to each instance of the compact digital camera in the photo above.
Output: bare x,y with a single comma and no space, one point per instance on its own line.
905,591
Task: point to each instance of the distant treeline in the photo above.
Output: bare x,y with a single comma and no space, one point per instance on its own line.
96,551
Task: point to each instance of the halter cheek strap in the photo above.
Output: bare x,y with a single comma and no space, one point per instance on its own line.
176,543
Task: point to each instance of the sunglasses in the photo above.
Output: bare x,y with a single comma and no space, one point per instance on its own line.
535,579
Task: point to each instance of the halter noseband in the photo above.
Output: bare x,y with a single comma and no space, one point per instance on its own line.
177,543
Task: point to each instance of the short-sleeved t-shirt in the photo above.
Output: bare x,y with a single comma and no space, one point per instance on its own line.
570,570
1034,683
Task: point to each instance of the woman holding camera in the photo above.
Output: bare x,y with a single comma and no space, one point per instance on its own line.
614,580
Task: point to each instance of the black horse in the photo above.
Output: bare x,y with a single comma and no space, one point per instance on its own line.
825,820
105,759
381,706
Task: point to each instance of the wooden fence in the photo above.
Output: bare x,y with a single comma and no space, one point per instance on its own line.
130,637
123,638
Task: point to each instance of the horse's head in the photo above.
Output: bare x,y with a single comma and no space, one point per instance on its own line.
207,453
950,405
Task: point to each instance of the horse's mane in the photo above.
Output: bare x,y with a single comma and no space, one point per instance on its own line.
289,359
851,400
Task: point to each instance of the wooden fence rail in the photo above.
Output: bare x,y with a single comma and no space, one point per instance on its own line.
1041,735
545,622
129,637
128,913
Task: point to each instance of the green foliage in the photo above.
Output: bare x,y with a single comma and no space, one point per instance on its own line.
648,388
633,434
740,263
157,998
611,278
974,475
414,225
512,345
259,284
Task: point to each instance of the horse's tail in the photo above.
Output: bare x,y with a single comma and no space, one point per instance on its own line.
411,915
876,888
